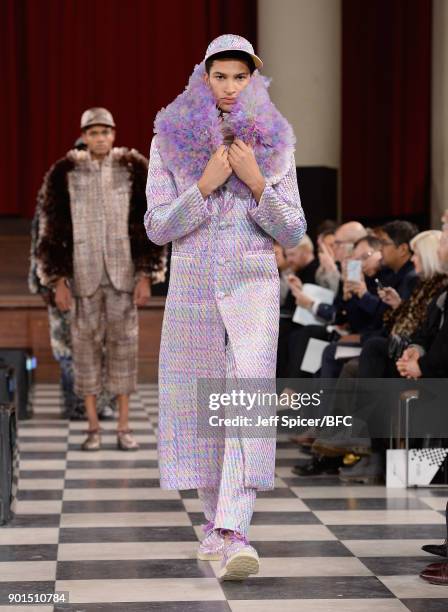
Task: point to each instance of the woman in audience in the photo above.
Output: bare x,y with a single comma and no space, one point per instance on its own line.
379,355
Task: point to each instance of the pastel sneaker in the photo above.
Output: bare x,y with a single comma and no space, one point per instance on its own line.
212,546
239,558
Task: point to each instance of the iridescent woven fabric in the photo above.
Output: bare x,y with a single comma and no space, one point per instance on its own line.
223,277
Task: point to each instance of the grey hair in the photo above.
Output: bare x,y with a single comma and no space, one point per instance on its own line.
426,245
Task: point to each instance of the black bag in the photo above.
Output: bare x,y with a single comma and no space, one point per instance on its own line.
21,361
9,455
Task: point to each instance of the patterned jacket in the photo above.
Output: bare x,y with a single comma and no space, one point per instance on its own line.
91,219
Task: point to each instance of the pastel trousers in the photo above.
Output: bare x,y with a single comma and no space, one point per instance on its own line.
231,505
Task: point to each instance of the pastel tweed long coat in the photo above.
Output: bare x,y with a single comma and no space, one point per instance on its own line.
223,278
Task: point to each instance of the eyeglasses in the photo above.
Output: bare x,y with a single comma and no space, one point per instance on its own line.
365,256
340,242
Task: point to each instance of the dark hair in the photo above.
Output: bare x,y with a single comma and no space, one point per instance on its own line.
373,242
327,226
400,232
235,55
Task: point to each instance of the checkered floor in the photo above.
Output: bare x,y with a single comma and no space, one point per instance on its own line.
98,526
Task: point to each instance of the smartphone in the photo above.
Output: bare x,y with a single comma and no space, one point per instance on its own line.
354,270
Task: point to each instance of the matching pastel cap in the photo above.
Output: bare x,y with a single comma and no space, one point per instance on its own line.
232,42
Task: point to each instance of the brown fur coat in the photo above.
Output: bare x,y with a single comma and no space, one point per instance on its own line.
55,247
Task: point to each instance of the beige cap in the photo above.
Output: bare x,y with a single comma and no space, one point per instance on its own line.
97,116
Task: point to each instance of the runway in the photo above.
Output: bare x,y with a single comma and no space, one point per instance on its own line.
97,526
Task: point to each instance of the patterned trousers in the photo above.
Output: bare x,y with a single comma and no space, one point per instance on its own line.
231,505
107,318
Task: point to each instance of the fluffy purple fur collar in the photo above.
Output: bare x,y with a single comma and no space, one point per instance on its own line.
189,130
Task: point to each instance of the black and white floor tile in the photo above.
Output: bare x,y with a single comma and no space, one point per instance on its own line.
98,526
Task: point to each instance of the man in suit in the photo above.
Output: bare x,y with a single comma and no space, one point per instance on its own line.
93,253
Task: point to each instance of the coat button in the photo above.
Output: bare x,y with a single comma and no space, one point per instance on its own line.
220,295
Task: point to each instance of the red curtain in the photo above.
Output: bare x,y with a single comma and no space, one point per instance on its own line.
386,72
59,57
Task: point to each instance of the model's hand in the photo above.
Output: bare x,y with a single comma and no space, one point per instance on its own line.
243,163
216,172
63,296
142,291
409,368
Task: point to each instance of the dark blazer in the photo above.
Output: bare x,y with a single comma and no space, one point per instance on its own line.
433,337
361,314
403,281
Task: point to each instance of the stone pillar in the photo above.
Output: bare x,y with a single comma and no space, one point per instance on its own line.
439,112
300,44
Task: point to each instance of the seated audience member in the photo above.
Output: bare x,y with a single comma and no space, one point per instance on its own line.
396,252
300,267
351,295
427,356
359,301
329,272
346,237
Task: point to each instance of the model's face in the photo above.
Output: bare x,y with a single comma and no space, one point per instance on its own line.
99,140
370,259
227,79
